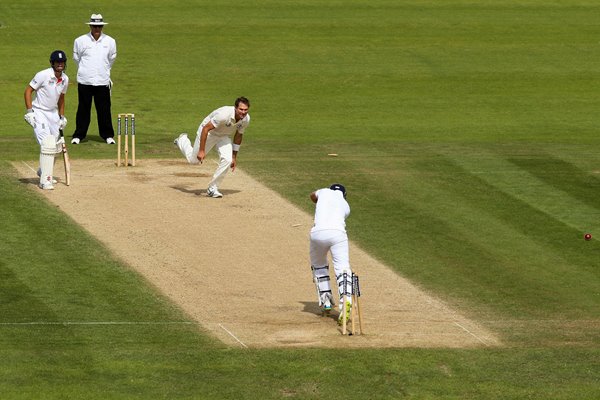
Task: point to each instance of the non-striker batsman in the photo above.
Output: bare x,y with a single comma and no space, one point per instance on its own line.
46,113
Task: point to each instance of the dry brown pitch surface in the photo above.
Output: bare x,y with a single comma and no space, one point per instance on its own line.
239,265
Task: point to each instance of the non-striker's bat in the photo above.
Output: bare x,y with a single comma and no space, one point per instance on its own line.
66,160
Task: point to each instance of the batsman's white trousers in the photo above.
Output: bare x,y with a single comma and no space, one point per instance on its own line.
335,242
46,124
223,146
330,240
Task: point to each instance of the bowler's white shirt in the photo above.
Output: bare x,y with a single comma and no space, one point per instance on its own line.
94,59
331,210
48,89
223,119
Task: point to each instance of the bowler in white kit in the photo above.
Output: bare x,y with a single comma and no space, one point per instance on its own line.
215,131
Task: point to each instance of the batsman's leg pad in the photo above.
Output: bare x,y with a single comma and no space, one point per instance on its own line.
322,282
345,309
47,154
344,281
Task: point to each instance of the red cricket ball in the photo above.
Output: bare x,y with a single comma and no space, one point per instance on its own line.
588,236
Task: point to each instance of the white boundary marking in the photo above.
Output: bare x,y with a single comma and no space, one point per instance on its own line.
96,323
233,336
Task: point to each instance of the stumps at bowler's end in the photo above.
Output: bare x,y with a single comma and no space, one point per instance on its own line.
129,120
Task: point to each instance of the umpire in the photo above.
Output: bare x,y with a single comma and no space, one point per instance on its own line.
94,53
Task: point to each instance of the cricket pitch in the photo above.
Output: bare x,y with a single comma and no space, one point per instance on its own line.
239,266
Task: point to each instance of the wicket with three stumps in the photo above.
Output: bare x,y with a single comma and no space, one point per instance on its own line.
127,118
355,307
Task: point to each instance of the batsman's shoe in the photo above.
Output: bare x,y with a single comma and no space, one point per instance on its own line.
39,173
326,303
348,313
75,140
110,140
47,186
214,192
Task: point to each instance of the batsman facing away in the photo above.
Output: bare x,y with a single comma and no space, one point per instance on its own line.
328,234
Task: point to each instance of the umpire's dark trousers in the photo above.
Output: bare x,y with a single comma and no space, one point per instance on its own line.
101,97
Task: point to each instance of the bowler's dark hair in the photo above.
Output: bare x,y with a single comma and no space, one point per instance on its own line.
242,100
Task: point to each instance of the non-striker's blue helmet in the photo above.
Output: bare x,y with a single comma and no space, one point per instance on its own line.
57,56
340,187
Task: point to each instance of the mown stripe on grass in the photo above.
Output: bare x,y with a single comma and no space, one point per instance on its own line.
557,188
18,301
493,245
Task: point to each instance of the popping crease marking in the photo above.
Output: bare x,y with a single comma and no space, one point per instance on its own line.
471,333
29,166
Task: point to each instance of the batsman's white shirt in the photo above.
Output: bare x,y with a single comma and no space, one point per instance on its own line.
48,89
94,59
223,119
331,210
45,104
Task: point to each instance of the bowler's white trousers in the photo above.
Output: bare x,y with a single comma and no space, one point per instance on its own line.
223,146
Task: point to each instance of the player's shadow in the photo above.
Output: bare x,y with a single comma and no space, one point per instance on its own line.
202,192
312,307
30,181
196,192
36,181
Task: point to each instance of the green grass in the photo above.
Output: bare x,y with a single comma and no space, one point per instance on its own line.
468,142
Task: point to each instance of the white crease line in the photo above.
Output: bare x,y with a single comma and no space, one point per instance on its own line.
471,333
233,336
112,175
95,323
29,166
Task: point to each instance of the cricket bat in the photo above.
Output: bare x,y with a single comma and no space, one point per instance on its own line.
65,154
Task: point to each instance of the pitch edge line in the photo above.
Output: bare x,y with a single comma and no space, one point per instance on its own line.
233,336
471,333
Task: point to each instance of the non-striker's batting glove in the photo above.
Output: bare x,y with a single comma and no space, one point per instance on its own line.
59,144
62,123
30,117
